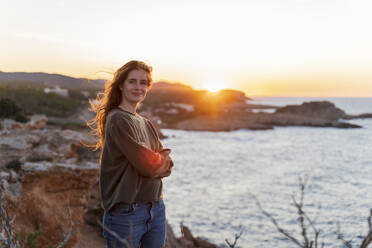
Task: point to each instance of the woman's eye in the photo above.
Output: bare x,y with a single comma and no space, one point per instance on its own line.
143,82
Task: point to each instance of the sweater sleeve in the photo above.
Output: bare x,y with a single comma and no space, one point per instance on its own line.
160,146
143,159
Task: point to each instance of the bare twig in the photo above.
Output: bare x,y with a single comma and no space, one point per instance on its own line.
237,236
340,236
124,241
368,239
303,219
301,214
69,234
6,223
275,223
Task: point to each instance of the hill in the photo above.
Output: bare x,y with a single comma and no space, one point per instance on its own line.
51,80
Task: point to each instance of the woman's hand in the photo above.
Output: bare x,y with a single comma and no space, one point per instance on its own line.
165,165
166,168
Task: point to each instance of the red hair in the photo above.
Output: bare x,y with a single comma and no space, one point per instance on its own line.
110,98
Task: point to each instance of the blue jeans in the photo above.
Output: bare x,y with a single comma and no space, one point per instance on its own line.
134,225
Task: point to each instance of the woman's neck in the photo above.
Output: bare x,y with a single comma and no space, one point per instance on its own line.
132,108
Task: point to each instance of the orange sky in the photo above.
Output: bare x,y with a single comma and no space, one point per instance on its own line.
263,47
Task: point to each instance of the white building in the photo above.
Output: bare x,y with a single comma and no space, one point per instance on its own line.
57,90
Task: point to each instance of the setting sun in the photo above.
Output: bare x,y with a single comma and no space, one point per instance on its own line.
214,85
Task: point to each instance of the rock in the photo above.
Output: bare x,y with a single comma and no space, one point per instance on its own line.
9,124
41,153
298,120
40,202
14,189
4,175
14,177
36,122
14,164
313,114
316,109
187,240
205,123
4,184
171,239
52,145
221,122
36,166
16,143
360,116
95,212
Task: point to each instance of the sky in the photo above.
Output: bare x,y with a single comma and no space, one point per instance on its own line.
262,47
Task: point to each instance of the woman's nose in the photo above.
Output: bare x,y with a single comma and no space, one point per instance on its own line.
139,85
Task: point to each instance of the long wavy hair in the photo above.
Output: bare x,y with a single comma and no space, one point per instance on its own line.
110,98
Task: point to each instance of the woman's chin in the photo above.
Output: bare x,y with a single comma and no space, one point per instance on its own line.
136,99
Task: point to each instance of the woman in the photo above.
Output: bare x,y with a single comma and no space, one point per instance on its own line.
132,161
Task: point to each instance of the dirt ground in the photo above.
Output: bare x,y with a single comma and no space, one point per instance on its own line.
90,238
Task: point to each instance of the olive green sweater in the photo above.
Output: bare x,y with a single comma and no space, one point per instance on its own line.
130,157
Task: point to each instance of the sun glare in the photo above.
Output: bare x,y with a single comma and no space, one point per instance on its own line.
214,85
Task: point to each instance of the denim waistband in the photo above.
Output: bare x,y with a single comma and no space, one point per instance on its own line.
128,206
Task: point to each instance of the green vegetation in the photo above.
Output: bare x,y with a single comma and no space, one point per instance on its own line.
204,102
28,239
31,98
9,109
68,125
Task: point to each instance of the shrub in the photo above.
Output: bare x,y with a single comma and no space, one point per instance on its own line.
9,109
35,101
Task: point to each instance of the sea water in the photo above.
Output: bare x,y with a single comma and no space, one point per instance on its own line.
218,174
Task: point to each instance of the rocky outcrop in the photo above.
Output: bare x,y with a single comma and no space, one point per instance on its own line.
360,116
221,122
47,176
317,110
278,119
20,145
36,122
49,180
187,240
95,212
50,201
313,114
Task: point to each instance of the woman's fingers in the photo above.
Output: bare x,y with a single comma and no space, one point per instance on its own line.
166,153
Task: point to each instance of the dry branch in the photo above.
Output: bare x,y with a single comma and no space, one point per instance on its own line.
69,234
10,242
237,236
303,219
124,241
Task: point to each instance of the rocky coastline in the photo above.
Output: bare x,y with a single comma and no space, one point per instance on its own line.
49,185
49,177
310,114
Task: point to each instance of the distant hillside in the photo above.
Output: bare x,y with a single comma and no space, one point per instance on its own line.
165,86
51,80
179,92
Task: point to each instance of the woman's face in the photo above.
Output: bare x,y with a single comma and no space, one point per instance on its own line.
135,87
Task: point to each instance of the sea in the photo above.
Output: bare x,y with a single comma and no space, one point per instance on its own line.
219,177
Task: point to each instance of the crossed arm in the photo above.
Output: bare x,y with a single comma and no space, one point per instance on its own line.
147,162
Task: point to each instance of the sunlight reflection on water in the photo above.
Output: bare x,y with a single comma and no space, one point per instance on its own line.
214,174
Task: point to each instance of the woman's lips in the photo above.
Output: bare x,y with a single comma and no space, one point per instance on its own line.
137,94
